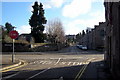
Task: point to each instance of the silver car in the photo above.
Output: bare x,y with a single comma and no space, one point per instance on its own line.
84,48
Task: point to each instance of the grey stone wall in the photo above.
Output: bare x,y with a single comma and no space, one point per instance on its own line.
112,39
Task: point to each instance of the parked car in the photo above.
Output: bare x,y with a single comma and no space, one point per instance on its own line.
79,46
84,48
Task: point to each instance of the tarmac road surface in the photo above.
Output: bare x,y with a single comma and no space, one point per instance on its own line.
67,64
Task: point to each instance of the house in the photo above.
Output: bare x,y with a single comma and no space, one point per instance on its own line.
26,37
71,38
94,39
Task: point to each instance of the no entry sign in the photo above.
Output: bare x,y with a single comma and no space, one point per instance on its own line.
13,34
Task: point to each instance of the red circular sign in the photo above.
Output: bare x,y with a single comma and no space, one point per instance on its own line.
13,34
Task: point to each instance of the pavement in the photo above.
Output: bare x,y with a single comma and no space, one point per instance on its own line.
96,70
8,65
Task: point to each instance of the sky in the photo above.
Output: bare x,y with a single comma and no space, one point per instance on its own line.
76,15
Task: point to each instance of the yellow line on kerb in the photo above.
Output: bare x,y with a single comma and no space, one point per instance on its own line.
24,63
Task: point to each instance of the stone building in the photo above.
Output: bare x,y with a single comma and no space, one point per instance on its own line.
71,38
99,35
94,39
112,51
84,40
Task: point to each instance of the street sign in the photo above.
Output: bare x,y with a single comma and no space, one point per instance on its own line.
13,34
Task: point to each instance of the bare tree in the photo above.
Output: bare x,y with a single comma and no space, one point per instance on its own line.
55,31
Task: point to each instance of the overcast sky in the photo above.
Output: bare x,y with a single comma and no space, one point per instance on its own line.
76,15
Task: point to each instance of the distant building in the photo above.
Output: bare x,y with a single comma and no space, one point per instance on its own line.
70,38
100,35
26,37
112,50
94,39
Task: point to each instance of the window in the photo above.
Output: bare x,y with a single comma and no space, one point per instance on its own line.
102,33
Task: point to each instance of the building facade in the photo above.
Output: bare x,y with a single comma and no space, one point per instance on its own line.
100,35
71,38
26,37
94,39
112,49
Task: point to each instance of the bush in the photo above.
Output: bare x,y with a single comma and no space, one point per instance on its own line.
49,47
18,47
22,41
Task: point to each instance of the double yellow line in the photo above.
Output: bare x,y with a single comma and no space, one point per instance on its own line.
82,70
21,64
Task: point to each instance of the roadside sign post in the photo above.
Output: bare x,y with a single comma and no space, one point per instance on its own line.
13,34
13,52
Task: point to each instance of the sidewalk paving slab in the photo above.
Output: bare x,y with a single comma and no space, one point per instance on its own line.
8,62
96,71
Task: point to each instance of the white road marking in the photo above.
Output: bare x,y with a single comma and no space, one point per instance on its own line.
91,59
7,77
44,62
63,62
38,73
69,63
83,62
57,61
48,62
74,63
53,58
78,63
36,62
41,62
69,58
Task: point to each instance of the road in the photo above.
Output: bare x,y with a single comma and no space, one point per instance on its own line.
65,64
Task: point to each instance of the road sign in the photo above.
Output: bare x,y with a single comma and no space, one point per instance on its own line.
13,34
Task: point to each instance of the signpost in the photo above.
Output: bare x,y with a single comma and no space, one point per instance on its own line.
13,34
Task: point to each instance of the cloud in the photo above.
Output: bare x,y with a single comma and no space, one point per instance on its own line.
78,25
24,29
97,0
53,3
75,26
72,28
22,0
57,3
76,8
54,0
47,4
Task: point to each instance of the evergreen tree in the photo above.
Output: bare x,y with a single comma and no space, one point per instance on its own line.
9,27
36,22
